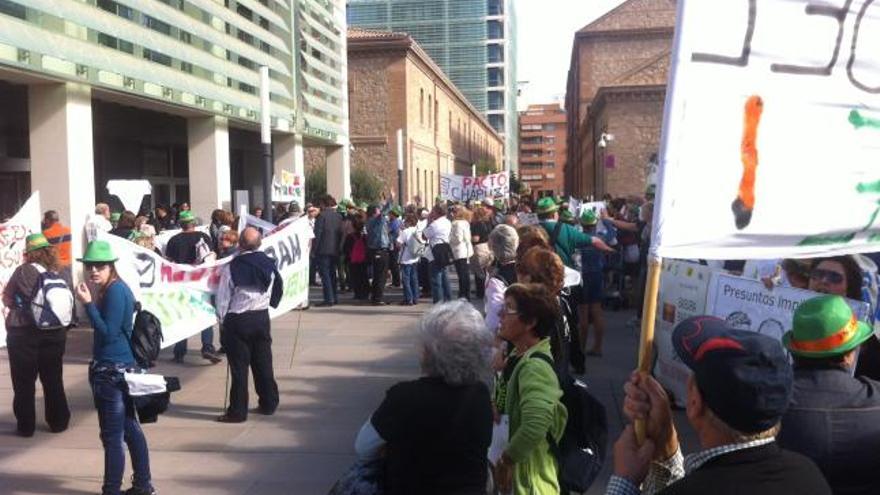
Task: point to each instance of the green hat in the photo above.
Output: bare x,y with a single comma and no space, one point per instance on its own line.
588,217
498,204
546,205
363,206
825,326
397,210
340,208
346,203
98,252
34,242
566,215
186,217
115,216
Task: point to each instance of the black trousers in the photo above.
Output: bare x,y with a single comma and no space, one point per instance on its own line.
37,353
425,276
463,270
248,343
394,267
379,259
358,280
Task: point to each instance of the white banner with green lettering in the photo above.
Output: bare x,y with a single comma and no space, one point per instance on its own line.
772,116
181,296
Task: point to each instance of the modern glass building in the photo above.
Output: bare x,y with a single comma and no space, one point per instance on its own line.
473,41
167,90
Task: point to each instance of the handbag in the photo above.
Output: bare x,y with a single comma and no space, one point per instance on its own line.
364,478
442,254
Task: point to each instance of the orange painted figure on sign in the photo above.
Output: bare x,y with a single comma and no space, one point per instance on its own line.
745,200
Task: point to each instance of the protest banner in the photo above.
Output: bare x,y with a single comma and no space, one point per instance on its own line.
248,220
162,238
527,218
289,187
762,130
683,289
181,296
466,188
12,237
746,304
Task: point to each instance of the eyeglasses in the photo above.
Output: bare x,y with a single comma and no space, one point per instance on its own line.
96,266
827,276
509,312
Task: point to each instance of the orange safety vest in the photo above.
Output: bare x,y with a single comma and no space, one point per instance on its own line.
59,236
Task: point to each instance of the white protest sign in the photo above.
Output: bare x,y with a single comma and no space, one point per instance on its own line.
181,296
465,188
12,236
762,130
683,289
248,220
747,305
527,219
130,192
289,187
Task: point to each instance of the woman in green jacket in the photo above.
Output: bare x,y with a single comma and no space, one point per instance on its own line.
527,466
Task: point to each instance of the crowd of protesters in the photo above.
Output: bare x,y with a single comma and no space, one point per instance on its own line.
544,275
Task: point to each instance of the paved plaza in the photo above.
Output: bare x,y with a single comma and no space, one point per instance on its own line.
332,366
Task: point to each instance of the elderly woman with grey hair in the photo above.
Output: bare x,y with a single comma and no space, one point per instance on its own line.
503,242
435,431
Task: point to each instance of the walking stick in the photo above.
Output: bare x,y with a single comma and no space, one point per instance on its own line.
646,341
295,339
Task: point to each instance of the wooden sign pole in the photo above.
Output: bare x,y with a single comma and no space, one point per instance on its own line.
646,342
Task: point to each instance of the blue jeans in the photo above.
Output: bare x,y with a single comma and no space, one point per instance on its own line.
440,282
119,427
409,277
207,343
327,271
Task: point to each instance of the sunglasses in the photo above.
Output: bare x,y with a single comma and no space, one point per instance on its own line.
96,266
826,275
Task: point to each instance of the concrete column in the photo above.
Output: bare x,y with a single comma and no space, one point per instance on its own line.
288,154
61,155
209,178
338,171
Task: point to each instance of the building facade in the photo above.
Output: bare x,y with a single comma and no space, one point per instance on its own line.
473,41
168,90
394,84
542,149
615,96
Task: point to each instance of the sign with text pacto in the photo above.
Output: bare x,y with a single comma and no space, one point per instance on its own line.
465,188
773,111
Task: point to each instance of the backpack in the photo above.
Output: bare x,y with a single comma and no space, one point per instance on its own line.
581,451
146,337
51,302
359,250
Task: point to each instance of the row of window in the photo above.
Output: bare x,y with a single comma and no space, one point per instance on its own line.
538,127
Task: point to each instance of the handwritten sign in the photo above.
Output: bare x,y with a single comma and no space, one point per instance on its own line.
12,237
464,188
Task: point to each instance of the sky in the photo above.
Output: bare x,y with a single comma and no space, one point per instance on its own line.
546,32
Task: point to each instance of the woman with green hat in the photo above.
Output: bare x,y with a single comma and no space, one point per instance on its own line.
110,306
34,351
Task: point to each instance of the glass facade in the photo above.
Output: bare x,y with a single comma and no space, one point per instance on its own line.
204,54
473,41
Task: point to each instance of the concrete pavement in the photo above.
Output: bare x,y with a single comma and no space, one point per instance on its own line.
332,366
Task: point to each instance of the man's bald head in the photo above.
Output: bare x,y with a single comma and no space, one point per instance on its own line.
250,239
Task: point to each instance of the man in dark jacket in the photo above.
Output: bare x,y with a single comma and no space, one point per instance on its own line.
248,286
834,417
379,243
739,390
327,246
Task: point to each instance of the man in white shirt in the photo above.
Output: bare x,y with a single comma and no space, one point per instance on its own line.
248,286
437,234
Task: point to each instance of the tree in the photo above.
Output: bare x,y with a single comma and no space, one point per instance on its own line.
486,166
316,184
517,186
366,186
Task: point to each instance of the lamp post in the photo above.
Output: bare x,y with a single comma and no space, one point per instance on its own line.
400,167
266,142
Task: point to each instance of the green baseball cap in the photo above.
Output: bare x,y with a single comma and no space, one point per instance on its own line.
34,242
186,217
546,205
98,252
825,326
588,217
397,210
115,216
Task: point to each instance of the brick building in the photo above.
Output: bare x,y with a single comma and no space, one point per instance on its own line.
394,84
542,149
616,90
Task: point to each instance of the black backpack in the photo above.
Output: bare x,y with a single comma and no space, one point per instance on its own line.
146,338
581,451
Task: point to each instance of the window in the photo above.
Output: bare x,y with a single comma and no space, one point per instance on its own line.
436,114
550,164
430,109
421,107
157,57
549,127
157,25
